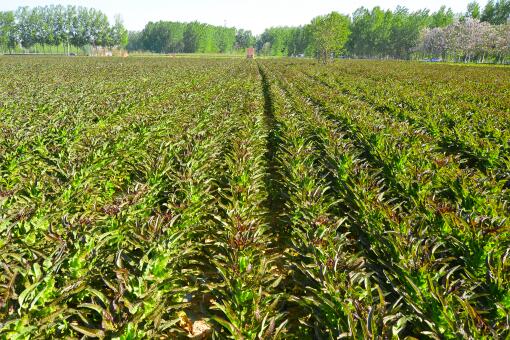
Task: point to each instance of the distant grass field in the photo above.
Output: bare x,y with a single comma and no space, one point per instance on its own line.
253,199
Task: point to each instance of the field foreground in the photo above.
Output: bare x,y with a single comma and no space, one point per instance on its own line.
151,197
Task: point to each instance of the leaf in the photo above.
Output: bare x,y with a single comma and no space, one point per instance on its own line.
91,332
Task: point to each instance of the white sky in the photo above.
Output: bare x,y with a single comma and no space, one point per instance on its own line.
255,15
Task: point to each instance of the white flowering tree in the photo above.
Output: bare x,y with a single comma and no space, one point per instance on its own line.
467,40
433,42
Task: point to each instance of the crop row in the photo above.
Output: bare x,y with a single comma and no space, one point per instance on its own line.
423,237
217,198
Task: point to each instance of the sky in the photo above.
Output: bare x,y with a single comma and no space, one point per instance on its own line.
254,15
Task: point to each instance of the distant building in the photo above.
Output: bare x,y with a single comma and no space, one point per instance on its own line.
250,53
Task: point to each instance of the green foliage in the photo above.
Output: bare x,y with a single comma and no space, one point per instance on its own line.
176,37
370,33
329,33
227,198
379,33
135,41
244,39
473,10
163,37
275,41
442,18
496,13
56,25
119,33
369,253
7,29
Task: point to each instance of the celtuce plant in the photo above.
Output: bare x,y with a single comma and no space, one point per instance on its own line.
224,198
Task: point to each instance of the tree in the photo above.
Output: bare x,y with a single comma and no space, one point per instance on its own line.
244,39
329,34
135,41
501,40
496,13
379,33
99,28
442,18
192,37
299,41
405,31
225,39
154,37
266,49
26,34
59,25
433,42
80,32
276,39
382,22
68,29
371,32
163,37
8,30
54,25
473,10
467,40
176,37
359,43
48,22
119,33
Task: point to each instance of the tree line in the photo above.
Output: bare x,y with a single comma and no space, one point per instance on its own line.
400,33
58,25
367,33
193,37
467,40
478,34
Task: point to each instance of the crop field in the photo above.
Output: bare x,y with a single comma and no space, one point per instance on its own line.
253,199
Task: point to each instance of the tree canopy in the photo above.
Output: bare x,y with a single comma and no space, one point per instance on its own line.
193,37
467,40
55,25
378,33
329,33
496,12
